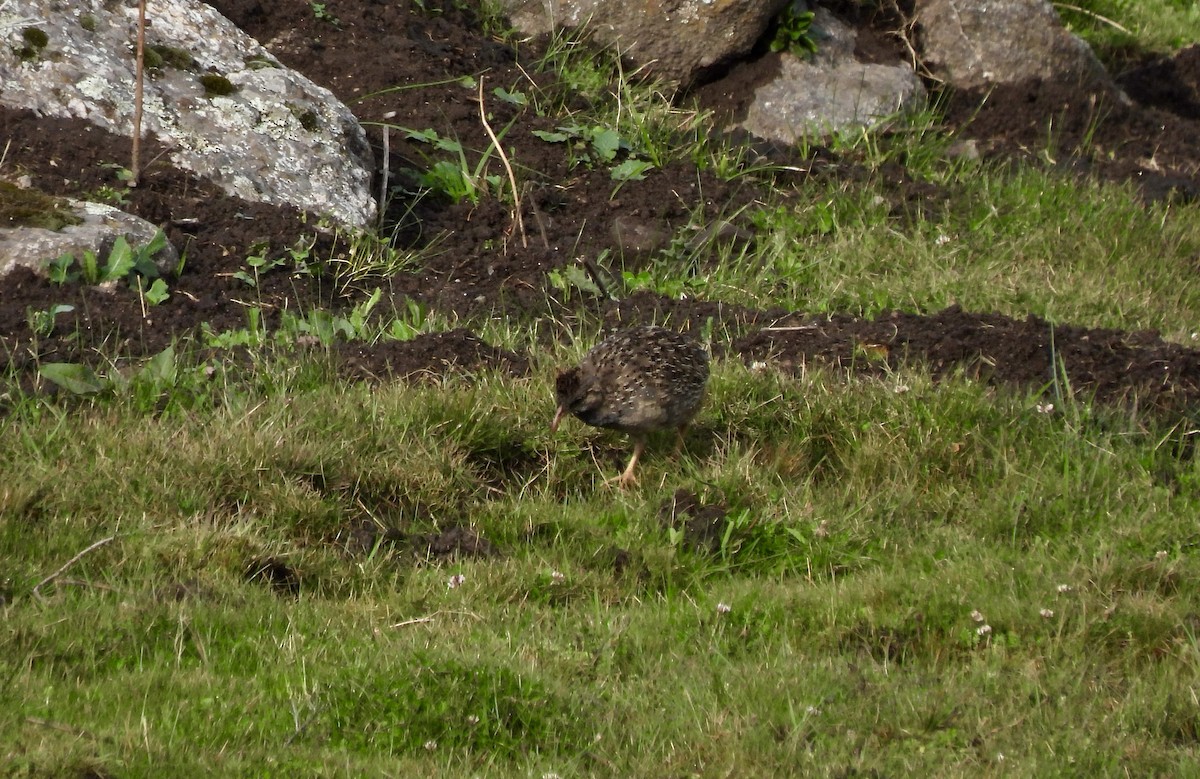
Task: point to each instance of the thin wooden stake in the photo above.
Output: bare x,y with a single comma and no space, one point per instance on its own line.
135,166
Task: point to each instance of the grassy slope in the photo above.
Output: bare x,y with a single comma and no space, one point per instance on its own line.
875,528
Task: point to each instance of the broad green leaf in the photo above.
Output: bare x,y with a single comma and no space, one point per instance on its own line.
59,271
516,98
631,170
551,137
161,367
73,377
606,143
322,325
91,270
424,136
120,261
158,292
143,257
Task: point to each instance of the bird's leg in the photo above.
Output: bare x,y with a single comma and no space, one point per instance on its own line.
679,441
627,478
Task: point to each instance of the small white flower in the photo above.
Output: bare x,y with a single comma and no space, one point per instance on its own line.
942,239
724,608
900,389
984,630
1161,554
977,615
1046,613
1063,589
472,720
456,580
758,366
999,757
557,576
430,745
822,529
812,711
1044,408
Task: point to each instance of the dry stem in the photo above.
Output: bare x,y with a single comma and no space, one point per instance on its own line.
92,547
512,180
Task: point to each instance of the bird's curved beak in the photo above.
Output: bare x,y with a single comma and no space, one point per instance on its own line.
558,415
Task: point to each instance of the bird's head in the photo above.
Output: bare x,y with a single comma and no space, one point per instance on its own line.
578,395
566,389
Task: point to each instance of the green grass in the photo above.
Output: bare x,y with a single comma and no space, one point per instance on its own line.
911,578
1016,243
1112,26
865,526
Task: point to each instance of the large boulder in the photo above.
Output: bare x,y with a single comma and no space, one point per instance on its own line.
227,109
832,91
975,43
673,40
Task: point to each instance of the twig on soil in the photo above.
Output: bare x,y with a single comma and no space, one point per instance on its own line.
433,616
91,585
541,223
594,272
414,621
90,548
512,179
906,34
303,727
166,148
45,723
141,296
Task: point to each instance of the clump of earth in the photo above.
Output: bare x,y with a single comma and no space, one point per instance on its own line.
476,261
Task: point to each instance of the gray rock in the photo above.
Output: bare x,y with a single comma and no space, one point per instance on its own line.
228,111
831,92
973,43
100,225
673,39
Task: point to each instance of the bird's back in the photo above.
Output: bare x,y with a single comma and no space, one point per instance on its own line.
650,378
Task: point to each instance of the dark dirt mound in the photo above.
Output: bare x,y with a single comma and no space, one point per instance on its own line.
432,355
702,525
1109,365
479,262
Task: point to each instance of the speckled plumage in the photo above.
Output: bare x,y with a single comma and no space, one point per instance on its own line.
636,381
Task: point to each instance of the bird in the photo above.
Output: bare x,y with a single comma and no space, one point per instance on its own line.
638,381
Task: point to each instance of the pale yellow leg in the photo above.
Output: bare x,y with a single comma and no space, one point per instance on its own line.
627,478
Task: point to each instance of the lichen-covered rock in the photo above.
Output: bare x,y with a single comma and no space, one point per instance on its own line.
92,227
974,43
674,40
227,109
832,91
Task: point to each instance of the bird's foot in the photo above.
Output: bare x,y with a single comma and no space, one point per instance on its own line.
624,481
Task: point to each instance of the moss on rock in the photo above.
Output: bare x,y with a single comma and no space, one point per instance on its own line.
216,85
31,208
